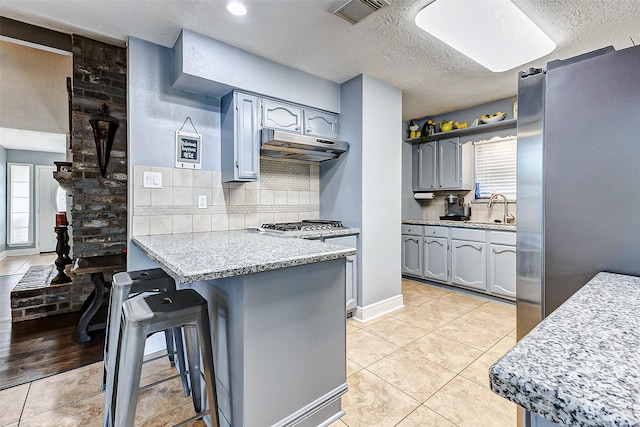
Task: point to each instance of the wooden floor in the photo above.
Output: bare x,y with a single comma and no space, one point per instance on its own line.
35,349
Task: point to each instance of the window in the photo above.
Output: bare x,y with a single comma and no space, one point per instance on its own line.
496,163
19,208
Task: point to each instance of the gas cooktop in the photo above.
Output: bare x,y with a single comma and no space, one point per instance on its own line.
305,225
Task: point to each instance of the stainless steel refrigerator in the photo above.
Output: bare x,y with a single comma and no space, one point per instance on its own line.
578,203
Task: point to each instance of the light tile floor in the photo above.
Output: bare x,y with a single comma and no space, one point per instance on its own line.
20,264
424,365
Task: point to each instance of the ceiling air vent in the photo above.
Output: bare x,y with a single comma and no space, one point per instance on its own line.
354,11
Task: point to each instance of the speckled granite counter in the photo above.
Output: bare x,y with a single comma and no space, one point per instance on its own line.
580,366
192,257
462,224
321,234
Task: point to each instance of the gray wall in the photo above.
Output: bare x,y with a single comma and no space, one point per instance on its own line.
156,112
382,185
33,158
411,208
204,65
363,188
3,197
341,179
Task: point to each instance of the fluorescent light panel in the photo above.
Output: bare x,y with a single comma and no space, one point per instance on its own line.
494,33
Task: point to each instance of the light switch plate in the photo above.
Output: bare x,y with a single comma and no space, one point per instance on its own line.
152,179
202,201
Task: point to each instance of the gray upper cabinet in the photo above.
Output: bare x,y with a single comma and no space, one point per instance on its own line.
240,131
425,166
281,115
298,119
320,123
449,164
442,165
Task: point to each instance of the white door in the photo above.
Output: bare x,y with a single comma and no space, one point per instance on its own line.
46,208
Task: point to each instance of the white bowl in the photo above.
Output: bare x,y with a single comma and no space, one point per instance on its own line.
494,118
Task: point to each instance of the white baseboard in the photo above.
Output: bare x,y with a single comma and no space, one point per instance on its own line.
18,252
380,308
3,255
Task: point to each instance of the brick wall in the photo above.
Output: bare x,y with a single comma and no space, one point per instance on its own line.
99,207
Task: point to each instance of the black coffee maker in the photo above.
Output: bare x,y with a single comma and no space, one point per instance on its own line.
454,209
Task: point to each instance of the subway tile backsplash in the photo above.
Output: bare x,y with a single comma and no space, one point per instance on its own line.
287,191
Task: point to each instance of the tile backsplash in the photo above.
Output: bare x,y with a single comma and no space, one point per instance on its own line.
287,191
433,209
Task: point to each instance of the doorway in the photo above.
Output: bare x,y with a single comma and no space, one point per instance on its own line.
46,208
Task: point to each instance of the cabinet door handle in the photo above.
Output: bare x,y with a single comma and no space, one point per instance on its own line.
477,247
502,251
297,128
237,164
309,130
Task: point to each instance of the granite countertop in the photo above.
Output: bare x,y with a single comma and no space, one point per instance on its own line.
462,224
580,366
321,234
192,257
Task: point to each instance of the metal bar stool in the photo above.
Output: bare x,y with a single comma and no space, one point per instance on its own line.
125,285
144,315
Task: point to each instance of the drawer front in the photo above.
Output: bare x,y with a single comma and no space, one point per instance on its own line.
412,230
503,238
431,231
468,234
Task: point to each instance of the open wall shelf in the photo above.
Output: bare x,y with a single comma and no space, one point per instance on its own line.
481,128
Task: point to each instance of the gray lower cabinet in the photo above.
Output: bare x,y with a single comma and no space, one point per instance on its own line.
352,269
477,259
502,270
469,264
412,255
240,142
435,253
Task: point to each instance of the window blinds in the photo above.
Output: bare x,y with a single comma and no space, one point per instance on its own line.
496,163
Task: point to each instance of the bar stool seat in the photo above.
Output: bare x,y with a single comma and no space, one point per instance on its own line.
125,285
145,314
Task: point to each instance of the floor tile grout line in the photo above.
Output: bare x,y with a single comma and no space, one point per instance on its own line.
24,404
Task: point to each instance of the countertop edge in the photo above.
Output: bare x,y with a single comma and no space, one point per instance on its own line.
462,224
176,273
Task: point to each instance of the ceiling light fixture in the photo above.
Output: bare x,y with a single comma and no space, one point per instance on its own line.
495,34
236,8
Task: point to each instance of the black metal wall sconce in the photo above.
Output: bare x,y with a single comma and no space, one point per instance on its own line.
104,129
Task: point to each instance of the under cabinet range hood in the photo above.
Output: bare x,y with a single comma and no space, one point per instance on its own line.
287,145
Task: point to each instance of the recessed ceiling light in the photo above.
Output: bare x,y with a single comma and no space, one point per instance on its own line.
495,33
236,8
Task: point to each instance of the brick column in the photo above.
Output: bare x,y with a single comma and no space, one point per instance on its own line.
99,207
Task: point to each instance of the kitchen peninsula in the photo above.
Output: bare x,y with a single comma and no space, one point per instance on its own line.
579,367
277,306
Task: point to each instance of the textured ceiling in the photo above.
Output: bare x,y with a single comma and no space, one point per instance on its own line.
387,45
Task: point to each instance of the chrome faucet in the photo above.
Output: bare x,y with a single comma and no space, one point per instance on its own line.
506,216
